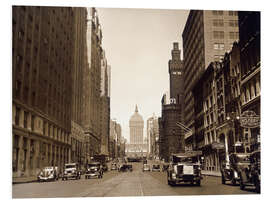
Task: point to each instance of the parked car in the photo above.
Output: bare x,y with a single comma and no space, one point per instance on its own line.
104,167
165,167
114,166
156,167
94,169
71,170
250,174
185,167
230,170
48,173
146,167
125,167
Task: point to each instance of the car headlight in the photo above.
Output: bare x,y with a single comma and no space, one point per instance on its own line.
65,172
235,174
173,175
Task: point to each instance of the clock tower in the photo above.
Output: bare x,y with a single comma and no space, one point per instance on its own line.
176,76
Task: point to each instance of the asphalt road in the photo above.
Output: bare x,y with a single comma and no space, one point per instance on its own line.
117,184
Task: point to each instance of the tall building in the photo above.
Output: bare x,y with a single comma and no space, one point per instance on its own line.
206,37
105,106
80,54
92,85
172,137
152,135
250,59
42,64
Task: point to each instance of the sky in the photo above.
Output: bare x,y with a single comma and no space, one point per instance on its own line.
138,44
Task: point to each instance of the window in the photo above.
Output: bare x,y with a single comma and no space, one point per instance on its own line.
18,88
218,22
25,119
21,34
218,46
218,34
17,116
230,13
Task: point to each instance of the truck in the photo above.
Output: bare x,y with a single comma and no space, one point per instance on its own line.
102,159
185,167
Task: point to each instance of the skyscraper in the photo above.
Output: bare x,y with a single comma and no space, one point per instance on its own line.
206,37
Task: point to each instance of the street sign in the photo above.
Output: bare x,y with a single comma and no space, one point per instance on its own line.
249,119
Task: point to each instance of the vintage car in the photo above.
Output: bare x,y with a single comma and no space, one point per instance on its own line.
250,173
185,167
125,167
104,167
71,170
156,167
146,167
48,173
165,167
114,166
94,169
230,170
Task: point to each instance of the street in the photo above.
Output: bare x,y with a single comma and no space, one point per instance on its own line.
115,184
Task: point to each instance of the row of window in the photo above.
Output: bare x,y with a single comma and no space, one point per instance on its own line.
220,23
230,13
210,137
54,132
221,35
250,90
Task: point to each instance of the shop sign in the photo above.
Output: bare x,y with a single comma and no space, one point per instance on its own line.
249,119
218,145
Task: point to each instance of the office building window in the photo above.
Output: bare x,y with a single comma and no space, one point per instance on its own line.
218,34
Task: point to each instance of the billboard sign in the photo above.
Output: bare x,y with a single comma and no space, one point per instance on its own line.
249,119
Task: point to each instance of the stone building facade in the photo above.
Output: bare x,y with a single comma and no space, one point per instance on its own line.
206,37
172,137
42,62
249,44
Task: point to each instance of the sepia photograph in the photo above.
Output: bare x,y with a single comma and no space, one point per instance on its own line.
134,102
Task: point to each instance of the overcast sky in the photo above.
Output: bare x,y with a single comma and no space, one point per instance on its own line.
138,44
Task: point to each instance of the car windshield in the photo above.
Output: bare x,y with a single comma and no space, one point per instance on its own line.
93,165
244,159
70,166
185,159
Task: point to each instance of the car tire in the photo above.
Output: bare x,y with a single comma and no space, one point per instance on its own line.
257,186
242,186
233,181
198,182
223,180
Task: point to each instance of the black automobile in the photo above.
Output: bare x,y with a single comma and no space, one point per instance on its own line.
125,167
94,169
165,167
230,170
251,174
156,168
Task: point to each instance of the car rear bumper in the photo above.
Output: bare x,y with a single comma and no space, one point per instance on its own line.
186,178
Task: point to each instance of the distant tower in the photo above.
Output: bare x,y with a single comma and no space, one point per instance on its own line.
176,75
136,125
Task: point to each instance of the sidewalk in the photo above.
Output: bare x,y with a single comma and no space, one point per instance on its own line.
211,173
24,180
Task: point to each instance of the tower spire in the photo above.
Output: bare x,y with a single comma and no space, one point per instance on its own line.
136,109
